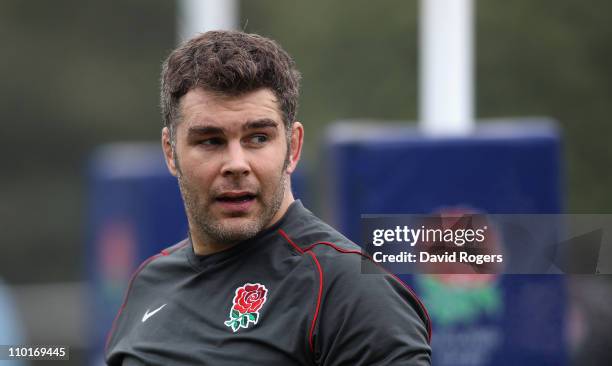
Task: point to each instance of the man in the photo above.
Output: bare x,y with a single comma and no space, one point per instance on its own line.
260,280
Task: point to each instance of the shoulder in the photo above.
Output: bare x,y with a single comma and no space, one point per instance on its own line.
160,261
155,266
154,270
305,230
151,270
165,256
347,275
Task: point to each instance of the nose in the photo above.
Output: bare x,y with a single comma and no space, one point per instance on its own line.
235,164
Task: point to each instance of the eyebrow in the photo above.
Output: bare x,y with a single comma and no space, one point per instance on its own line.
251,125
260,123
204,130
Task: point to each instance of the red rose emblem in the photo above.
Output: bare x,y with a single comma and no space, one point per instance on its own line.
249,298
247,302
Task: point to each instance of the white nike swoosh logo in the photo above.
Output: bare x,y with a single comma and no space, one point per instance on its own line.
147,315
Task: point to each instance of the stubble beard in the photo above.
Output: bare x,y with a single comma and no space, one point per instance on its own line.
223,233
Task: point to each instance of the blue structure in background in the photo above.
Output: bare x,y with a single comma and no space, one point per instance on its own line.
505,166
135,210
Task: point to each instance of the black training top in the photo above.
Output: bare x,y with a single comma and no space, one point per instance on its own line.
293,295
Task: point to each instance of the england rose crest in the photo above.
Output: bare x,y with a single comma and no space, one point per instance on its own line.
248,300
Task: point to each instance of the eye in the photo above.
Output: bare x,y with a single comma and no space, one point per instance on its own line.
258,139
212,141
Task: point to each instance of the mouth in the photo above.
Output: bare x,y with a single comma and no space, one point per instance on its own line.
236,203
235,197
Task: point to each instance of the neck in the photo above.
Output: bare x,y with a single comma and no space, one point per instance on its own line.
287,201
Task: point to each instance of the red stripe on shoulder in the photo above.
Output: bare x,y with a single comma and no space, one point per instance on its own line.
319,295
320,291
171,250
129,288
416,297
337,248
295,246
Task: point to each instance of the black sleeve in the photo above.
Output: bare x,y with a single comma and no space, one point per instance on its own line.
369,319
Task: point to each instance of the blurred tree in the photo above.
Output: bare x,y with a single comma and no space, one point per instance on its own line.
74,75
553,58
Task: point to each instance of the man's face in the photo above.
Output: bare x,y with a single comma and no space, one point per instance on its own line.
232,162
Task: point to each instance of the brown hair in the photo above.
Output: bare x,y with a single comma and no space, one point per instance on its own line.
232,63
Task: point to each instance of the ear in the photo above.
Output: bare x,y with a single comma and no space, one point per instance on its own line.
297,139
168,151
